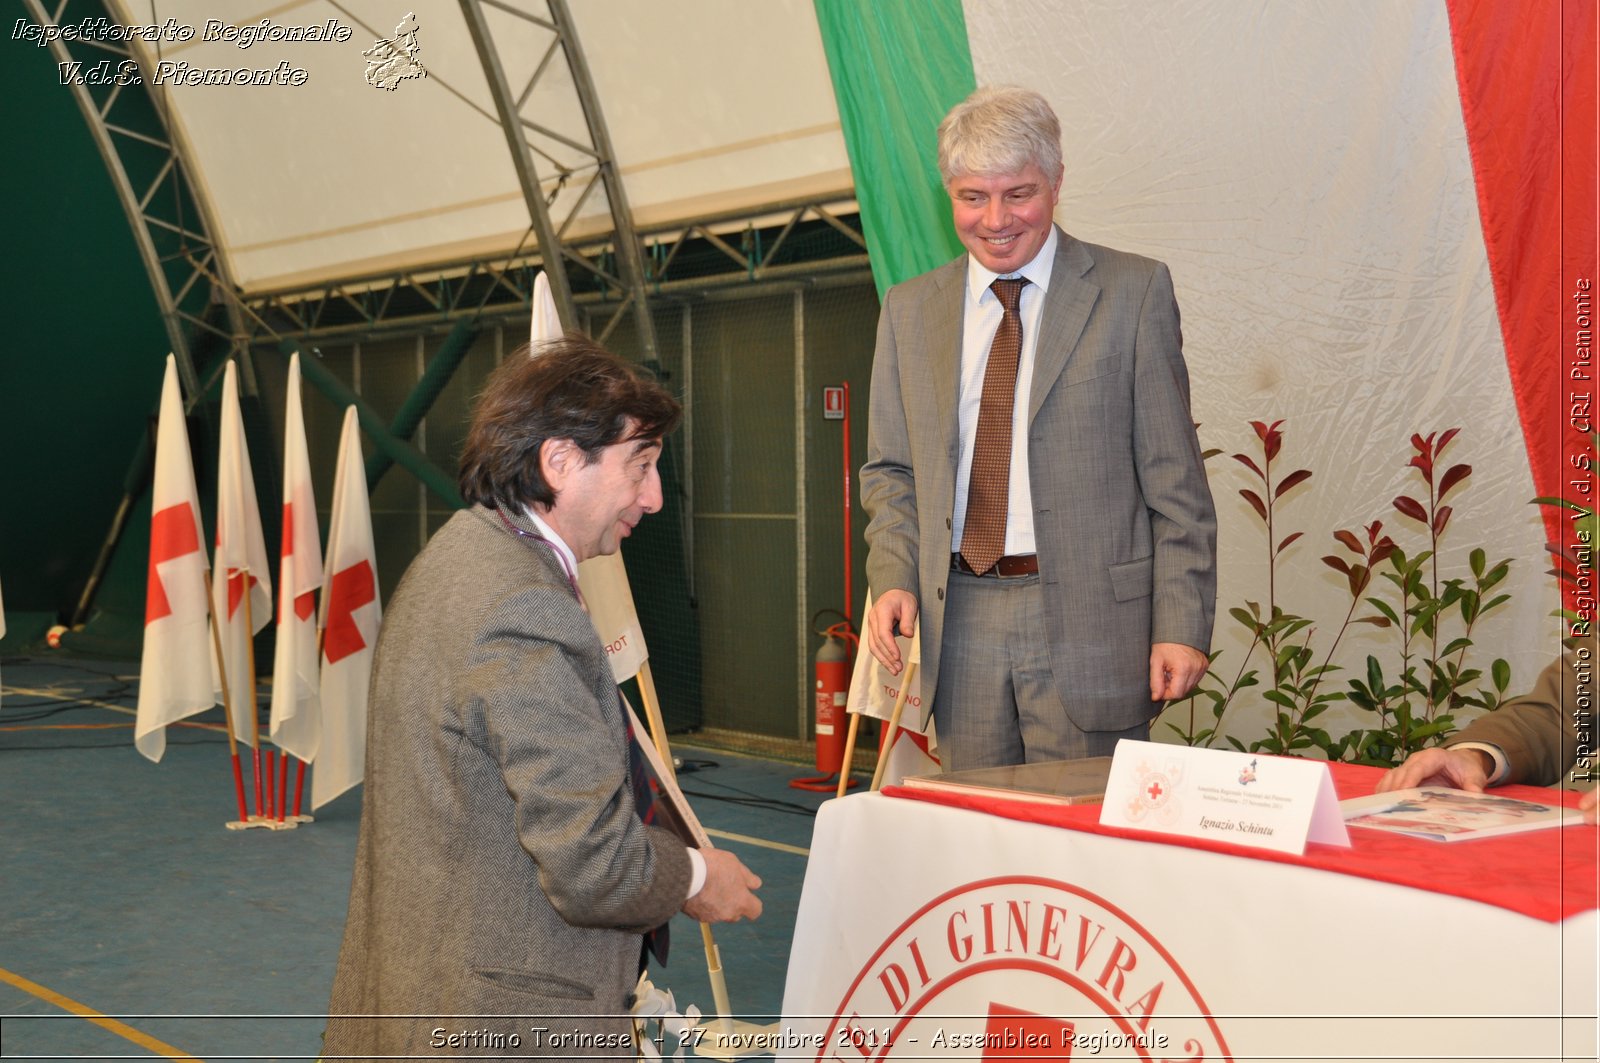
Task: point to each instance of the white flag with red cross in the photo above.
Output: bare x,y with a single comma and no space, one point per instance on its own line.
351,614
175,671
241,589
296,714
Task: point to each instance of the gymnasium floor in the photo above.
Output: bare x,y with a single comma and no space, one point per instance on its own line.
136,926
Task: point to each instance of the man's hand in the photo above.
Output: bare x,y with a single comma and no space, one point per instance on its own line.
1174,670
1464,769
1590,803
895,607
728,894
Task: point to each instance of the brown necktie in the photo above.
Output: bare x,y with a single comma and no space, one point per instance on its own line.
983,536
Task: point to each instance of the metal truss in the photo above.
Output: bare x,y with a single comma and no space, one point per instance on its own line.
150,168
572,158
790,239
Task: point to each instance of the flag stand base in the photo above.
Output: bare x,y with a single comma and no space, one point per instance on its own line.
735,1039
286,823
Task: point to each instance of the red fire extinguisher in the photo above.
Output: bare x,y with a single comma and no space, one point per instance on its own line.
832,689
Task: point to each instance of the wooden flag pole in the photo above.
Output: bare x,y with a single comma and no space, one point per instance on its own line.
658,736
652,715
250,669
894,723
227,705
849,753
730,1039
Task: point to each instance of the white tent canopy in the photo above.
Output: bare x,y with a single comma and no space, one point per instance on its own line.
705,115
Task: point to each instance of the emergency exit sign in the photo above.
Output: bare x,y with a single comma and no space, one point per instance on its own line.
833,404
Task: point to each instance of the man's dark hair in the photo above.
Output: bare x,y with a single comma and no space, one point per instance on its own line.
571,388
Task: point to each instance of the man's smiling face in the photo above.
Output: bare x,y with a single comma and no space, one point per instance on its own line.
1004,219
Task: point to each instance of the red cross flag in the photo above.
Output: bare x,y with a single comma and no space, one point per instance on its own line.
241,592
296,716
351,614
175,678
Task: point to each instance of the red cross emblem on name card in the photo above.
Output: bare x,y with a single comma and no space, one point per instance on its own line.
1154,791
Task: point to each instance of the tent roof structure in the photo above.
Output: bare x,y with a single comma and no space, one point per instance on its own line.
365,180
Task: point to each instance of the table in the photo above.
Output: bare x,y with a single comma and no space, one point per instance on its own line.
937,932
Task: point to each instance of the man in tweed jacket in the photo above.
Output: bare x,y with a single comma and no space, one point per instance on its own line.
503,877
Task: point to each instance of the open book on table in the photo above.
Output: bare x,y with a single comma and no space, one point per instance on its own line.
1442,814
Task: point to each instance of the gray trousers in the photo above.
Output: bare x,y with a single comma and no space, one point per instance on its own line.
997,701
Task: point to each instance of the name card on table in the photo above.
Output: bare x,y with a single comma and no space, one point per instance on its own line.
1249,799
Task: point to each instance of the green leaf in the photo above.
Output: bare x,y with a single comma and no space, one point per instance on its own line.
1501,672
1383,607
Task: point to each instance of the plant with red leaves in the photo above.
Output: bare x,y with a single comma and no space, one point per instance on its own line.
1439,681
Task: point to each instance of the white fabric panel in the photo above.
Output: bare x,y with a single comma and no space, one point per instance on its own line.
336,177
1304,171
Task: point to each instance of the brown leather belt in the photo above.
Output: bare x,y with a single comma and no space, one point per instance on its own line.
1007,567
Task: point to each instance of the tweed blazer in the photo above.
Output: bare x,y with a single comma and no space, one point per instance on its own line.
1538,732
1123,520
503,878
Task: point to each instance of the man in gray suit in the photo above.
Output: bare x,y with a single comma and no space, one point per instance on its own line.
1040,514
504,878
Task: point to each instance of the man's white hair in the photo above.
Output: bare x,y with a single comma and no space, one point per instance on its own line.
999,129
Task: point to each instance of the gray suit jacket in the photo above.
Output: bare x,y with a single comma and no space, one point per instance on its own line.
1123,520
501,869
1537,732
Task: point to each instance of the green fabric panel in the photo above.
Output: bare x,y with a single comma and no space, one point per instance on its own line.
898,66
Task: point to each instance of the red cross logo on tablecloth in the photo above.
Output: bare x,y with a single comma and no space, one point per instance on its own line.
350,589
172,535
1012,1033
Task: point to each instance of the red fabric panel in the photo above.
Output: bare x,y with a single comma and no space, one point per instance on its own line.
1526,75
1547,874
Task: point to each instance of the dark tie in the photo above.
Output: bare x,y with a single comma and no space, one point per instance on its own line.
983,536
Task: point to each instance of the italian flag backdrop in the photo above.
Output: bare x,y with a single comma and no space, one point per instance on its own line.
1380,220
